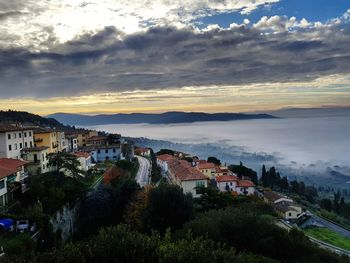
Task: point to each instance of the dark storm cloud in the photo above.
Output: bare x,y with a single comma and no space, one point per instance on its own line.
164,57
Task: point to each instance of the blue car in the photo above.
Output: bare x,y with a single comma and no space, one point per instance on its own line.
6,224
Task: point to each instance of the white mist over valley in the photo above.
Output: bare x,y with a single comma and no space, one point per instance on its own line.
300,146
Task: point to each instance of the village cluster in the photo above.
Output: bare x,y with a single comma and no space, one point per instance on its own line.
24,152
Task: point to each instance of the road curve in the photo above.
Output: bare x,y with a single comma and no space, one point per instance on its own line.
142,176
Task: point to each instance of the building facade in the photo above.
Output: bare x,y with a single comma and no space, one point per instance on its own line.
13,139
37,158
13,179
46,138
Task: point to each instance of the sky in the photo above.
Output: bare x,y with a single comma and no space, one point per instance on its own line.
109,56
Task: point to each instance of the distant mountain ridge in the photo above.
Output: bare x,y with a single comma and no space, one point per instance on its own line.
152,118
23,117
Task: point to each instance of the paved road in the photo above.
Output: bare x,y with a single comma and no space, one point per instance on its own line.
142,176
320,243
331,226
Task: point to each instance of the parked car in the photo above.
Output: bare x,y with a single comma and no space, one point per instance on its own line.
6,224
22,225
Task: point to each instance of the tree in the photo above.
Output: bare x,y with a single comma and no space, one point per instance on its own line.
264,178
326,204
243,171
167,207
214,160
66,163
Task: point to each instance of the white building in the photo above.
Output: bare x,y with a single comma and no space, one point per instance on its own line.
187,177
245,187
37,159
162,161
13,179
72,141
231,183
85,160
13,139
62,141
283,205
105,153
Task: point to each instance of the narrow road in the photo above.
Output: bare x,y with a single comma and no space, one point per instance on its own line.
142,176
331,226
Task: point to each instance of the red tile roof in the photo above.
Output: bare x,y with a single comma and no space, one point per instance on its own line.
97,138
10,166
206,165
245,183
4,127
184,171
165,157
226,178
82,154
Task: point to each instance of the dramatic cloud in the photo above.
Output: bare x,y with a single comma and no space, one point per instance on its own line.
274,50
65,19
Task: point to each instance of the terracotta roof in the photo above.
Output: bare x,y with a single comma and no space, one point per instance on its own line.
76,132
97,138
285,207
142,150
9,166
166,157
68,136
43,130
245,183
35,149
4,127
226,178
184,171
82,154
206,165
272,196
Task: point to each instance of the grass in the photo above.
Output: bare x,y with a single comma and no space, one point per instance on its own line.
328,236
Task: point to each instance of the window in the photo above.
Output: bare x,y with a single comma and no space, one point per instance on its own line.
25,144
106,150
2,184
114,150
15,146
25,134
30,134
10,147
20,145
42,157
199,183
9,136
290,214
20,135
98,151
31,144
14,135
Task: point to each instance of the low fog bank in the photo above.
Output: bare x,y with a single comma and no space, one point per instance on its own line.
317,174
309,148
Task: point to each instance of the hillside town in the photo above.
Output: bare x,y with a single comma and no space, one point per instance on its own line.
24,152
30,152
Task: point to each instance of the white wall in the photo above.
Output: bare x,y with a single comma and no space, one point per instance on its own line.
101,155
222,186
18,141
163,165
249,190
188,186
3,192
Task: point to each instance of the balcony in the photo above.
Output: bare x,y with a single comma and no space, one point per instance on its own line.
23,175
